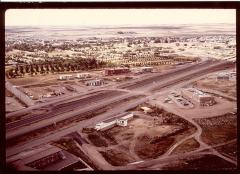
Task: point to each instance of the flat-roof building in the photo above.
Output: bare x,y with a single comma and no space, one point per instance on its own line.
83,75
65,77
116,71
97,82
119,120
198,96
223,76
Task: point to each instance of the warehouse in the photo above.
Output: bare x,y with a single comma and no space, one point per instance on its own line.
198,97
97,82
116,71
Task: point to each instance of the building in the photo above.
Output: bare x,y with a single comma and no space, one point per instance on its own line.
65,77
198,96
83,75
105,125
116,71
223,76
142,69
119,120
123,121
46,158
97,82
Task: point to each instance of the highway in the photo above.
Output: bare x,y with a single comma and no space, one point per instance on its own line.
63,108
181,74
165,75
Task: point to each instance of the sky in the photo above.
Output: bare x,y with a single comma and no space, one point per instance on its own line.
117,17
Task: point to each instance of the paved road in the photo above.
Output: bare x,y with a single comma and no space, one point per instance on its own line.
78,126
63,108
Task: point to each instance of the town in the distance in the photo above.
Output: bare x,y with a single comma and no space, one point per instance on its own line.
121,98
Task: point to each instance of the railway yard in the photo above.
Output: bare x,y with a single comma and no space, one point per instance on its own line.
184,117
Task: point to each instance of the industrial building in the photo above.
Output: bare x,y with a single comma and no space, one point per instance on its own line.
97,82
198,97
116,71
119,120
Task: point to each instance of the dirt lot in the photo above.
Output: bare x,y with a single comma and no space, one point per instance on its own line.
145,137
225,86
204,162
187,146
218,129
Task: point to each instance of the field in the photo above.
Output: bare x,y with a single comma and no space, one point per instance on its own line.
218,129
187,146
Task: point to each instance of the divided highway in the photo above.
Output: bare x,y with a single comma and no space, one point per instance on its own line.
63,108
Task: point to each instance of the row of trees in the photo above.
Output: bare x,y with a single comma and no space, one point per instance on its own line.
56,67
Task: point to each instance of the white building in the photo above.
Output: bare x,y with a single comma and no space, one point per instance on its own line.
83,75
65,77
223,76
121,120
104,126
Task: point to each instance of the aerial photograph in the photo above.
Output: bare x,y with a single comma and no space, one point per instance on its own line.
120,89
